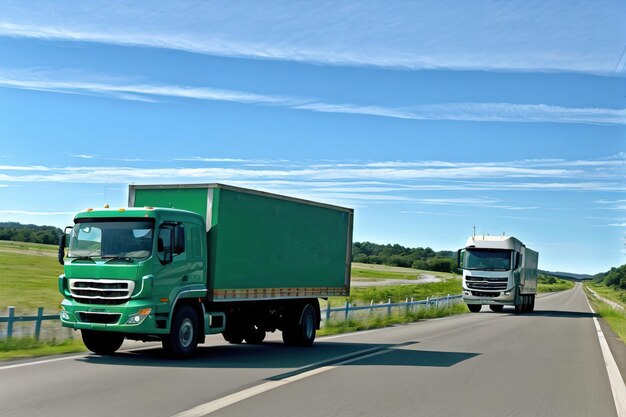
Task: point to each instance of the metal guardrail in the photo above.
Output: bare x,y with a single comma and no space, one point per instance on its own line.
38,319
408,305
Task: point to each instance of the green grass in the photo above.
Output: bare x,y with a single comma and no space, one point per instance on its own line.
616,319
608,292
399,293
17,348
28,281
370,273
560,285
376,321
374,271
7,244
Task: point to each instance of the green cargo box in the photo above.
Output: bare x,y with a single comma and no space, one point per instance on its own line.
261,245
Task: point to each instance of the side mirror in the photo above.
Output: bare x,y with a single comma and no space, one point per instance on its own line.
460,254
61,254
63,245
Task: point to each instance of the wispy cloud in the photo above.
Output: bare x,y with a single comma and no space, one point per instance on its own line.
83,156
476,112
472,202
353,177
482,35
37,213
204,159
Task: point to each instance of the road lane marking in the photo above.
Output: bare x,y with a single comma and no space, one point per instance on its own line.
618,388
215,405
66,358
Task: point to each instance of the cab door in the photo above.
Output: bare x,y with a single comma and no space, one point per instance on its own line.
172,255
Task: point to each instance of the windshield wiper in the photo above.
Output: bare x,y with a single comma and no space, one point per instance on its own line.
83,258
118,258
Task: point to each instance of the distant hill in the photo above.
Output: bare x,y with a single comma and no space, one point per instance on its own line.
29,233
567,275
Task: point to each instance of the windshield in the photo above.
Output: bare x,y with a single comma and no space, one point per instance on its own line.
487,259
111,239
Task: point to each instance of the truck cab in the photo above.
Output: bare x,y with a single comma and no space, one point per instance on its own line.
126,270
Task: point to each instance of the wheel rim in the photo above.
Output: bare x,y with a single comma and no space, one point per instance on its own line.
185,335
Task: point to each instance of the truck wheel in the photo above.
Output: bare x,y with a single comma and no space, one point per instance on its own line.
531,306
254,335
102,343
183,337
519,307
496,307
474,308
233,334
301,332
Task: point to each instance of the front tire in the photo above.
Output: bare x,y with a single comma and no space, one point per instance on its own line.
496,308
102,343
182,340
474,308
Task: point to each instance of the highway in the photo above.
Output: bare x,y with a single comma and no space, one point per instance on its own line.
548,363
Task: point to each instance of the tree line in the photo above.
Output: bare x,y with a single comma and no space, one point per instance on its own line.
614,278
398,255
29,233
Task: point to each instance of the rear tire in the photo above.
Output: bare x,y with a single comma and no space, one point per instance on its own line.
301,330
102,343
531,306
474,308
254,335
496,307
182,340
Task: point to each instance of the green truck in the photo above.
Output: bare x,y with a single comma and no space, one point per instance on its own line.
185,261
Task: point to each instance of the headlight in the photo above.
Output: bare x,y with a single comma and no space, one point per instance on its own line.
139,316
64,315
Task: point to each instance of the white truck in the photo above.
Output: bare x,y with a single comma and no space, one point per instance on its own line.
498,271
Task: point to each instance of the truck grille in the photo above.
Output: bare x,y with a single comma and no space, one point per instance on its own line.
101,318
485,283
101,291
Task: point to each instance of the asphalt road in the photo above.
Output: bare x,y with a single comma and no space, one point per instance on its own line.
547,363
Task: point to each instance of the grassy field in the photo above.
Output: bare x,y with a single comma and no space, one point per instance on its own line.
616,319
28,348
363,272
28,277
606,292
559,285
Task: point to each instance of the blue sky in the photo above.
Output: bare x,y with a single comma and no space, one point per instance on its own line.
429,118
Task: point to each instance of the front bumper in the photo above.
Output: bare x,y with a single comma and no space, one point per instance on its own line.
112,318
505,298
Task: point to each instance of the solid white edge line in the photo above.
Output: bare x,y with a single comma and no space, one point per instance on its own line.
215,405
618,387
65,358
